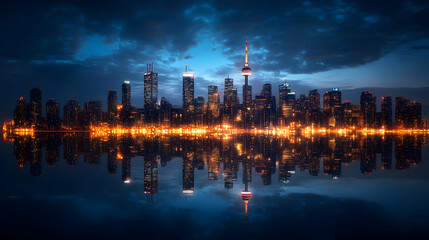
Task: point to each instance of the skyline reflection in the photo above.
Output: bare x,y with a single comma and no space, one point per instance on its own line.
247,173
264,154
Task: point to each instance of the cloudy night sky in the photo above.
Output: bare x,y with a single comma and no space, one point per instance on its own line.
77,49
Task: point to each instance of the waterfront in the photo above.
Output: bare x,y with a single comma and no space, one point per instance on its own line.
70,185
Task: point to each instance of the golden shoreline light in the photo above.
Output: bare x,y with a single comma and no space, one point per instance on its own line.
220,130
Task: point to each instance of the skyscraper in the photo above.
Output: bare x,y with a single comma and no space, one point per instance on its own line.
415,115
213,104
93,110
368,108
165,112
150,85
35,107
188,89
386,112
112,107
53,114
332,108
331,99
401,113
314,100
229,85
71,113
229,101
212,90
286,102
20,116
126,95
265,108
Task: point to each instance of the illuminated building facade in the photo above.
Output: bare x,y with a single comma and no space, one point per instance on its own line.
332,107
151,95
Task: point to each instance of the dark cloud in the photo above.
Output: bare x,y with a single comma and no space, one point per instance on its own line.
314,36
44,44
420,47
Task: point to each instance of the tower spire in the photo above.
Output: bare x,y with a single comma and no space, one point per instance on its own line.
245,62
246,71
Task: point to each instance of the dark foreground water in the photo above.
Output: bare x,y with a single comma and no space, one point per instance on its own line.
74,186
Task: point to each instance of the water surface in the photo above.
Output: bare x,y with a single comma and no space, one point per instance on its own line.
67,186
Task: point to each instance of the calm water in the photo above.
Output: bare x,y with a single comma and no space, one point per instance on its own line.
75,186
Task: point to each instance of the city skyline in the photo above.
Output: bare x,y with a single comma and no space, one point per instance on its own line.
290,111
214,119
387,47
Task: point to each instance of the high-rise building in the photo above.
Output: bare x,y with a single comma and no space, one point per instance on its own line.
212,90
150,85
199,110
20,115
53,114
35,107
165,112
415,115
229,101
265,108
285,93
112,107
331,99
188,89
314,100
229,85
332,107
401,112
126,115
368,108
386,112
151,112
126,95
286,102
93,110
213,111
71,114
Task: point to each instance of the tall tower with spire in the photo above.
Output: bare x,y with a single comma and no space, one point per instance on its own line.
247,94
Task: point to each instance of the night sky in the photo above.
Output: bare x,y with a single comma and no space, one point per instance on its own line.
77,49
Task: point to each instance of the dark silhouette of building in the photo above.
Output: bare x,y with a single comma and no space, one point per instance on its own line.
53,120
368,109
36,107
20,115
112,107
126,95
71,115
386,112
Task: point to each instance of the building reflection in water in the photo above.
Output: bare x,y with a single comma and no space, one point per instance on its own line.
255,153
